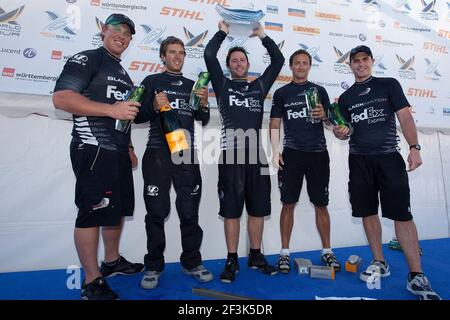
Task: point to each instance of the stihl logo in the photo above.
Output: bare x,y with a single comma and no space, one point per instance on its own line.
367,114
111,92
444,33
248,102
423,93
95,3
297,114
8,72
181,13
56,55
146,66
435,47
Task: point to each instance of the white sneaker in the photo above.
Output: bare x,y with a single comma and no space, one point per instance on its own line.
200,273
150,279
420,286
375,270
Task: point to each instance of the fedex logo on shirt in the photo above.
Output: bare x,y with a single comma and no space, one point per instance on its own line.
111,92
297,114
247,102
367,114
179,104
303,113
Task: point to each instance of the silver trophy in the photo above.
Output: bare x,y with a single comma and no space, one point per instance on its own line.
242,22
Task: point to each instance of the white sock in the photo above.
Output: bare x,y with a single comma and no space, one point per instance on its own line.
326,250
284,252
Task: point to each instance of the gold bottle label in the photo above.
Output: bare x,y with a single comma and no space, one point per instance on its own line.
177,141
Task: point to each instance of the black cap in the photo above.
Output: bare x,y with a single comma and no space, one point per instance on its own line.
118,18
358,49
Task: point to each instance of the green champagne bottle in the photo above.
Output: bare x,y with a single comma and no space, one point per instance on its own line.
136,94
312,99
202,81
336,118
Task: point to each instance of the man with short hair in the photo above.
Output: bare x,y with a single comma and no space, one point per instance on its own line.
92,87
377,168
304,154
241,106
160,171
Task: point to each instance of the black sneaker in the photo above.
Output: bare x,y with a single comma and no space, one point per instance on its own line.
284,265
98,290
259,262
330,260
420,286
122,266
230,270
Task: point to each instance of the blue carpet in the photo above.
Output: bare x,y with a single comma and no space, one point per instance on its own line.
174,285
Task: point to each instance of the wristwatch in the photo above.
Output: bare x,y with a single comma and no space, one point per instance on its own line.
415,146
205,108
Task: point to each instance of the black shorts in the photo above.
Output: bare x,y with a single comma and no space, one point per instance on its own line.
315,166
239,183
384,174
104,190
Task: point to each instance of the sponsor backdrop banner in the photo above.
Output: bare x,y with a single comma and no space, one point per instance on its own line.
410,41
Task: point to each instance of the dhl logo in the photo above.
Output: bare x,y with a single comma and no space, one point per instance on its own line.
284,78
182,13
421,93
151,67
223,3
327,16
306,30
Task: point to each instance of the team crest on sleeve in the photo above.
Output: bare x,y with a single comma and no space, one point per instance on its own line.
79,58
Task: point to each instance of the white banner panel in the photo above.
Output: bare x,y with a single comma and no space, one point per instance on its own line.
409,40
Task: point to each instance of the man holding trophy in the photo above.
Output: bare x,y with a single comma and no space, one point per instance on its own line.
301,106
241,106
